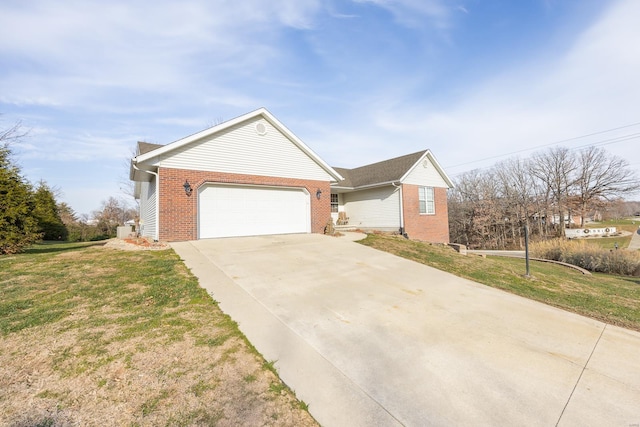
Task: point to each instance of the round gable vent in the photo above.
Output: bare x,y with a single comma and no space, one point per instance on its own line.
261,128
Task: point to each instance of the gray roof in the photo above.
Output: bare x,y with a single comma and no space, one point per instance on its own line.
377,173
145,147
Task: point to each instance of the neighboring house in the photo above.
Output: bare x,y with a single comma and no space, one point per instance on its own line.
252,176
407,194
570,219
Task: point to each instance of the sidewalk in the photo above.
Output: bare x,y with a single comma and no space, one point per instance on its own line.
634,245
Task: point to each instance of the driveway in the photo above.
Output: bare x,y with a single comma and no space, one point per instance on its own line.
367,338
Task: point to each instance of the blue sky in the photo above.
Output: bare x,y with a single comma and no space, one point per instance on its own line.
357,80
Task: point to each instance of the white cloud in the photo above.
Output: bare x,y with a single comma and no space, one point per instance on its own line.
589,88
412,13
52,145
75,52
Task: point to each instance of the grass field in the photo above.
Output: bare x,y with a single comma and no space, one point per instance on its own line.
612,299
628,225
94,336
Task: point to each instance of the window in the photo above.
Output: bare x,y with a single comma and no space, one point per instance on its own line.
427,200
334,202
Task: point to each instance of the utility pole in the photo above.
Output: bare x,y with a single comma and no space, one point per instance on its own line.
526,248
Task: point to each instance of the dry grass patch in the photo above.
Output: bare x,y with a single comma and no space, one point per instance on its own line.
589,256
95,337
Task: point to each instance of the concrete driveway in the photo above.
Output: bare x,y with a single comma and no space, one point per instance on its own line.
367,338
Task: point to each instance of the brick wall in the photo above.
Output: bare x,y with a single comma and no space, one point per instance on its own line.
178,216
430,228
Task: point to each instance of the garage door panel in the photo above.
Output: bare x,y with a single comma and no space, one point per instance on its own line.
226,211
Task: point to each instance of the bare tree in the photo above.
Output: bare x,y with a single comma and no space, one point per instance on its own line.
556,168
477,218
518,192
488,208
461,202
12,134
113,212
127,186
601,177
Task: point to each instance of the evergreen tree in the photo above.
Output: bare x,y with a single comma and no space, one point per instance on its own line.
67,214
18,226
47,214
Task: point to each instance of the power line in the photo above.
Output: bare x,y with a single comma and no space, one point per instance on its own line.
622,138
606,142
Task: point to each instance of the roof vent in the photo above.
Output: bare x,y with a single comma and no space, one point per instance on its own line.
261,128
425,164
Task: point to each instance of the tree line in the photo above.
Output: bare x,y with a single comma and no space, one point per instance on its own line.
29,213
546,192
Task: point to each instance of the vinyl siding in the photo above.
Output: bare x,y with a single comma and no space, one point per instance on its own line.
377,208
425,176
241,150
148,197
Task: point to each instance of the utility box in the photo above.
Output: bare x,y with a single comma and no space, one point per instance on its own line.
124,232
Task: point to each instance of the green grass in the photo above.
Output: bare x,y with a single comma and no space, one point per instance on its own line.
110,306
82,287
612,299
143,292
610,242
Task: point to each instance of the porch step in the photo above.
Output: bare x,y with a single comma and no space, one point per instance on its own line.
346,227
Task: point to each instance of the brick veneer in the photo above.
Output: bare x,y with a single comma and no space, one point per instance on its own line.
430,228
178,216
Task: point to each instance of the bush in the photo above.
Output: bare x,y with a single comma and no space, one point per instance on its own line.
80,232
590,257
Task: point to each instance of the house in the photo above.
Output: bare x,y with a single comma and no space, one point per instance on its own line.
406,194
252,176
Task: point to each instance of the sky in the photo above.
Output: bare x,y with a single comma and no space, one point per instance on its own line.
359,81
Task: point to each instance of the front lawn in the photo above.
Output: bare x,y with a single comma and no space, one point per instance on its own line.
612,299
95,336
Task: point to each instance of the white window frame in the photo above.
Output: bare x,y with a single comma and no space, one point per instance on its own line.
427,200
334,202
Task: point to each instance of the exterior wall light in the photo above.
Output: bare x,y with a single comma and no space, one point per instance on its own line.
318,194
187,187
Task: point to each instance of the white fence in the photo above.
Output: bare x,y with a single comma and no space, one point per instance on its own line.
575,233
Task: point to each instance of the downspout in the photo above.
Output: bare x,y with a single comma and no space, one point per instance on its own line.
157,225
399,187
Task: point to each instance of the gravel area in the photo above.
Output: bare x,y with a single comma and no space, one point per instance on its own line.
136,244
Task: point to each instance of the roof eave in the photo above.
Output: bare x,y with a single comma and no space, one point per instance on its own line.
230,123
433,160
138,173
364,187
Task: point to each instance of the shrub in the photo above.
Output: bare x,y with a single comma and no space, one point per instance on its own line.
81,232
590,257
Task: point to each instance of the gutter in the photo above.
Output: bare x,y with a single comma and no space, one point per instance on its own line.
363,187
399,187
156,232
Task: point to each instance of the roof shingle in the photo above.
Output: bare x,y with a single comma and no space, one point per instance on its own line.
145,147
378,173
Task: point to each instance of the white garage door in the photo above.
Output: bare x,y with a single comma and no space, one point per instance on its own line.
233,210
